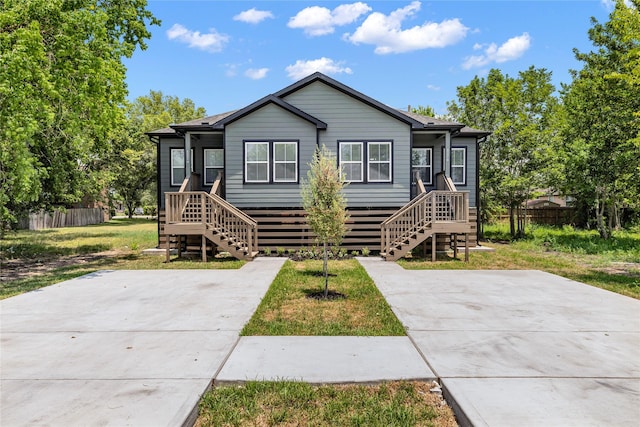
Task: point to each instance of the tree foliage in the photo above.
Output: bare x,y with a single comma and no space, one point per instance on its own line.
603,120
519,156
325,203
133,165
62,85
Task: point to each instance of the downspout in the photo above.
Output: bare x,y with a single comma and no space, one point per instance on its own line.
156,141
478,204
447,153
187,158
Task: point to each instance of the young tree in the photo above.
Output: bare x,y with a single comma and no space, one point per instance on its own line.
325,203
603,120
63,85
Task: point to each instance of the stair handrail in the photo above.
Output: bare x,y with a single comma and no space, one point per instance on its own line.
217,184
393,229
233,209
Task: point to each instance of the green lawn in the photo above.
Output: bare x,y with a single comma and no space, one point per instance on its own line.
54,255
301,404
287,310
579,255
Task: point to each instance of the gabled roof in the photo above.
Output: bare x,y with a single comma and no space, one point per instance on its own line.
219,121
203,123
318,76
431,123
269,99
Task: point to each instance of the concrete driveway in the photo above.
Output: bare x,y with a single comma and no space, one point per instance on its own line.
523,348
123,348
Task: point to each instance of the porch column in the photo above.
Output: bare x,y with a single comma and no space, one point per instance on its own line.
447,153
187,158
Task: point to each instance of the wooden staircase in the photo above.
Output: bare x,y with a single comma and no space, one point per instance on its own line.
426,215
214,219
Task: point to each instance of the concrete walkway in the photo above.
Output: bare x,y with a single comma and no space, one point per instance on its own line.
123,348
521,348
140,347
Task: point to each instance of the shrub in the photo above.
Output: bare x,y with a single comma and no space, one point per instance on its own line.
267,251
280,251
365,251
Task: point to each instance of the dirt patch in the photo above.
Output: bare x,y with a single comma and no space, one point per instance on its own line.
331,295
631,269
16,269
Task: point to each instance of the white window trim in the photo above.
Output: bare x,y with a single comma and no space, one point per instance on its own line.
463,166
379,162
205,166
246,161
285,162
171,150
349,162
429,166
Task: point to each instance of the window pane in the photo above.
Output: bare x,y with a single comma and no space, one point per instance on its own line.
291,151
456,175
210,175
385,154
177,158
178,175
279,152
214,158
279,170
383,172
374,152
457,157
345,152
257,172
356,152
290,173
257,152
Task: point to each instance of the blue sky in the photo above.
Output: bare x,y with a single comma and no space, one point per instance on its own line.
226,54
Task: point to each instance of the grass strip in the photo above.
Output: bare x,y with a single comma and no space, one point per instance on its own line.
295,403
287,310
45,257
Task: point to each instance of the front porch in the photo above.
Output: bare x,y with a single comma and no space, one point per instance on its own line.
204,221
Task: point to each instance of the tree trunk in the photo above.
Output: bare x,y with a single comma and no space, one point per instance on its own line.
326,272
512,224
600,222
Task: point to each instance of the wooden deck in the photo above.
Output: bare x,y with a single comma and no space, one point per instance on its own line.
204,221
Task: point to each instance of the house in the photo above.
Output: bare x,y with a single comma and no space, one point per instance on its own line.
233,179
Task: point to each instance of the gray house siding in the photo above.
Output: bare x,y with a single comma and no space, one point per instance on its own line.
351,120
269,123
198,144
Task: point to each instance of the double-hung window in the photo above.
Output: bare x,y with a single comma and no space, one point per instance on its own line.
270,161
421,161
379,166
459,165
177,166
351,161
213,163
256,162
285,162
365,161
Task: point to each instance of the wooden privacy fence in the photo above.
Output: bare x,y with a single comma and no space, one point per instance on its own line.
550,215
58,219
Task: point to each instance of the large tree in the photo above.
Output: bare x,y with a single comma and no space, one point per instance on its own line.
133,164
519,156
603,120
62,86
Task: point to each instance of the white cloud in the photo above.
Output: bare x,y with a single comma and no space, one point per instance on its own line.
319,21
512,49
253,16
433,87
256,73
210,42
325,65
386,33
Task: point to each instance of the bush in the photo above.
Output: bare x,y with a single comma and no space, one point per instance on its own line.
365,251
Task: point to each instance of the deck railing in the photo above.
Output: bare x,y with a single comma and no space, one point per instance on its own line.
215,213
423,212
